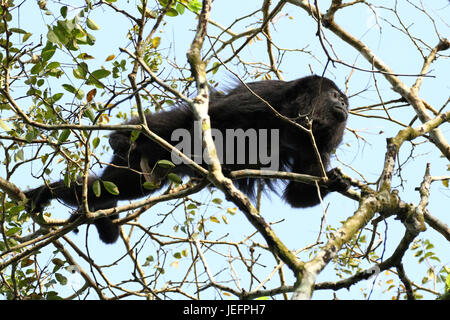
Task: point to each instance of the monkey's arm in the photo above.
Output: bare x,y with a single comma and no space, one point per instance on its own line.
301,195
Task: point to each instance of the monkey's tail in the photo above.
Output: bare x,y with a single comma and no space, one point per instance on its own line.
107,230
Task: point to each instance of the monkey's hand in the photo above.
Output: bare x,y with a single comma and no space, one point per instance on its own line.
38,199
120,143
336,182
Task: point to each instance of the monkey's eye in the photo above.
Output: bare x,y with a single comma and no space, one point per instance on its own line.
336,95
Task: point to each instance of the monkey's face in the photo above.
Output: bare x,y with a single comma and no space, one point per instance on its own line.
338,104
330,106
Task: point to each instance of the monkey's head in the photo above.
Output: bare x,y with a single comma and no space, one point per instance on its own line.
320,99
334,104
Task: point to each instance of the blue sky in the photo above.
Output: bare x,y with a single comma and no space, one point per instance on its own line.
295,30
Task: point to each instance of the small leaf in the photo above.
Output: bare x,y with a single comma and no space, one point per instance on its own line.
150,185
48,51
134,135
63,11
95,142
180,8
111,187
166,164
100,73
89,113
51,36
92,25
61,279
225,219
174,178
214,219
110,57
57,96
91,94
148,260
216,66
17,30
85,56
155,42
67,179
445,182
26,37
12,231
64,135
69,88
172,12
4,126
52,65
96,188
58,262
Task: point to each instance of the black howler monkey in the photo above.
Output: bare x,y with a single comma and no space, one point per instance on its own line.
315,98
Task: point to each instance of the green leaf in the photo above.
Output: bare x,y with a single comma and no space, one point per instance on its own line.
195,6
48,51
134,135
148,260
69,88
95,142
79,94
64,135
174,178
67,179
225,219
12,231
63,11
57,96
89,113
216,66
53,65
4,126
31,134
26,37
214,219
166,164
101,73
17,30
37,68
172,12
61,279
96,188
19,155
52,37
92,25
150,185
97,75
81,71
111,187
191,206
180,8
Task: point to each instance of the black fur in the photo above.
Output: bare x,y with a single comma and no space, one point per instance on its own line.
315,97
